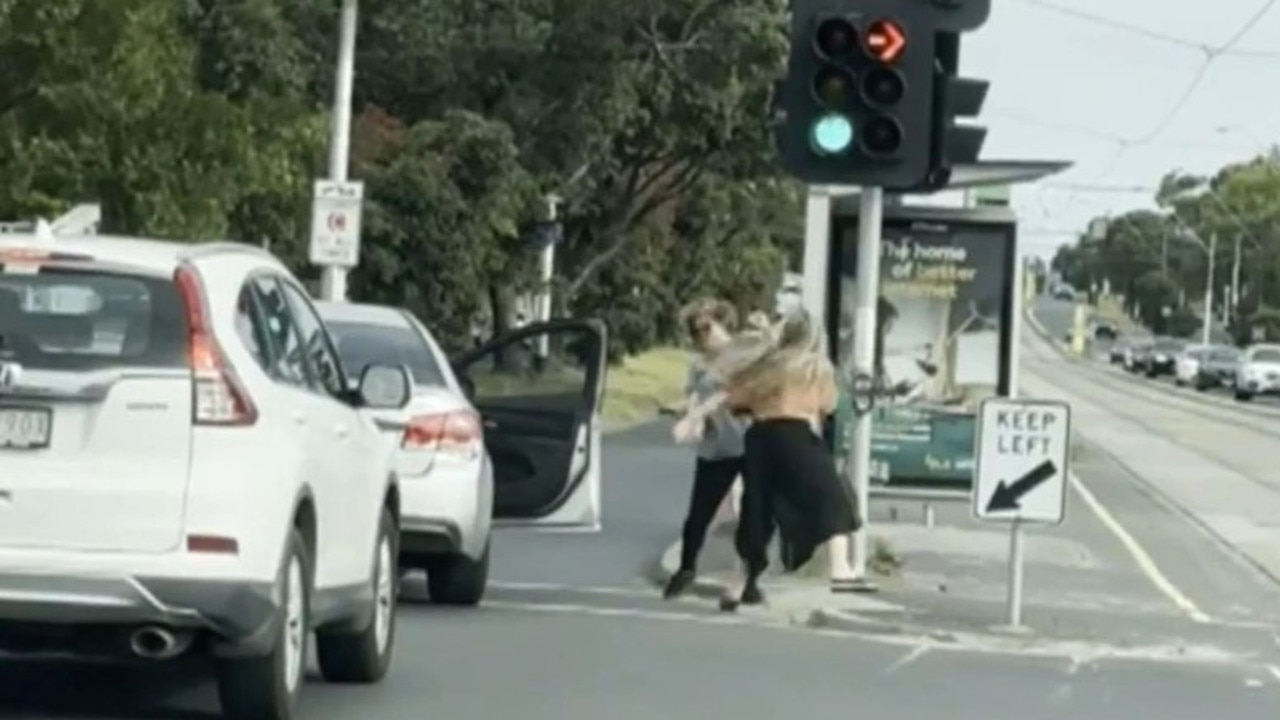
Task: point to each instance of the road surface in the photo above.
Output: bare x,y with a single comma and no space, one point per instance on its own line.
571,631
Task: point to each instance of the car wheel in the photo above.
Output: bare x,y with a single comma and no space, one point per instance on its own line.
1179,381
457,579
1243,395
267,686
363,655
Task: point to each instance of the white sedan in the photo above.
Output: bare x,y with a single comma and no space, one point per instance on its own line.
523,449
1187,364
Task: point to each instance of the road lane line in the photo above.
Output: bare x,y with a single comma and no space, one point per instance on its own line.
1140,556
915,654
640,591
1275,672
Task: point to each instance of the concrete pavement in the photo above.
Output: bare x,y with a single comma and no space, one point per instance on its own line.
571,631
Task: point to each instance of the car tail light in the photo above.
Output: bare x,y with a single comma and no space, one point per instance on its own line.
454,432
218,396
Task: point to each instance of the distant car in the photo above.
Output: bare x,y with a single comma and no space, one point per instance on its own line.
1218,368
1064,292
1119,350
1105,331
1135,355
1159,359
1258,372
1186,365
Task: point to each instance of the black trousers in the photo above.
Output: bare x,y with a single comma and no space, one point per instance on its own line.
789,484
712,480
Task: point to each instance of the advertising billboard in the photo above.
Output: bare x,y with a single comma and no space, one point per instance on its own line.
944,338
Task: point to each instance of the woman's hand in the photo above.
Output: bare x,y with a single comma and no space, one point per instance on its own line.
687,429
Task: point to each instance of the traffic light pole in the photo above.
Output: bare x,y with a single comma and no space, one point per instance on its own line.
858,464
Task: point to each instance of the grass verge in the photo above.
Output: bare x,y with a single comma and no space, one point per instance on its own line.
643,384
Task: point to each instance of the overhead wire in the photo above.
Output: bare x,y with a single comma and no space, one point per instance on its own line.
1211,55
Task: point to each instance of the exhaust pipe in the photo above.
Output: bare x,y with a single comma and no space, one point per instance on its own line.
156,643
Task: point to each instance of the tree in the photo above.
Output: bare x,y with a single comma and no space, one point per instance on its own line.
101,105
445,202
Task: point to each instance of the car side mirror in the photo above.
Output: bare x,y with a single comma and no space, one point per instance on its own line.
385,387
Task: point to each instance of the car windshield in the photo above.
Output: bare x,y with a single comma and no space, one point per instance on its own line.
1266,355
1169,345
1225,354
89,320
364,344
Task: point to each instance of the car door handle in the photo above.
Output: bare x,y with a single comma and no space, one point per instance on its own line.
490,424
340,431
299,418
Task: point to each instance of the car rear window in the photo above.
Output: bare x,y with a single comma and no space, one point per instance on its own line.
364,344
1266,355
89,320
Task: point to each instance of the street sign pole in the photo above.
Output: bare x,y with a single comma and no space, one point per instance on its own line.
1016,565
858,464
333,280
1021,453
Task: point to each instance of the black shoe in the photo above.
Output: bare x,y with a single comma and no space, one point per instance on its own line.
679,583
751,595
728,604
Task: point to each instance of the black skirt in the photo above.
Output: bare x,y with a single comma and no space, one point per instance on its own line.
790,483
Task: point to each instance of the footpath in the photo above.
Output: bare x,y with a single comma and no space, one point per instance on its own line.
1127,575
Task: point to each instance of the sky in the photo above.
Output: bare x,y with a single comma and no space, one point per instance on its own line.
1127,90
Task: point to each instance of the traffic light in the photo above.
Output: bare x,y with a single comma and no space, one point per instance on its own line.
855,106
953,142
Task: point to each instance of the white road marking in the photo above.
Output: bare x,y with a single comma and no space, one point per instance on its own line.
1140,556
915,654
667,616
636,592
1275,672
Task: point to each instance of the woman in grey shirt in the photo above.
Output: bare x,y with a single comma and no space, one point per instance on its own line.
710,324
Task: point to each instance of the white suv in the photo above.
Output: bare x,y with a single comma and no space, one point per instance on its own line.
184,467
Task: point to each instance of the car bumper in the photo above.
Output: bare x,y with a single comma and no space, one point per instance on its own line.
1262,387
448,510
240,616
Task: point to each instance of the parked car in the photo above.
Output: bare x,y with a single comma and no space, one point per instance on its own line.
1187,364
1121,352
1135,358
186,469
510,433
1159,358
1105,331
1218,368
1258,372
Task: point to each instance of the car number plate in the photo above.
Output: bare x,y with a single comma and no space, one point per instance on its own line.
25,428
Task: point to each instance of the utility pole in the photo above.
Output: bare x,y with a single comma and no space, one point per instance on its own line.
1208,291
333,281
1235,281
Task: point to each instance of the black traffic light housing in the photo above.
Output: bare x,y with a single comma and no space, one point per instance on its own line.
953,142
855,107
960,15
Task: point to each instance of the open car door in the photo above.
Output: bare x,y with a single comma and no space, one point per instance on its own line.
538,390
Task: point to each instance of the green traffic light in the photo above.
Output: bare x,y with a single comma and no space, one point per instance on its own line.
831,134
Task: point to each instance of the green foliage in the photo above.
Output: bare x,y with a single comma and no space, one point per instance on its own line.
1237,207
196,119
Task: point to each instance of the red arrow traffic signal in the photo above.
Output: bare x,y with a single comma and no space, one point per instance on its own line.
885,40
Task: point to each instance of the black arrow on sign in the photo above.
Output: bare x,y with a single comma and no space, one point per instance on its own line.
1009,496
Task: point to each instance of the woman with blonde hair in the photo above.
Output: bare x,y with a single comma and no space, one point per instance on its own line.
784,380
710,325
